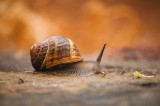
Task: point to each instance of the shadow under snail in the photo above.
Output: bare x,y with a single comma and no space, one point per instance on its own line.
60,56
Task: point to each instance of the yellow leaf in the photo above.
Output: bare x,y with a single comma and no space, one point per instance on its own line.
140,75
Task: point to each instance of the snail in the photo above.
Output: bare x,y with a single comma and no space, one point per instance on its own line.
61,56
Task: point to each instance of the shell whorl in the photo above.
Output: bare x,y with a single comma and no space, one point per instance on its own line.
54,51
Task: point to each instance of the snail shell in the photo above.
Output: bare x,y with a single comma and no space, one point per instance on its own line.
54,51
62,57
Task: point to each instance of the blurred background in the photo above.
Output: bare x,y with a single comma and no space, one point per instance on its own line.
131,28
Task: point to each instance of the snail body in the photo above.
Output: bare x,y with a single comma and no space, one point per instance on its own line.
61,56
78,68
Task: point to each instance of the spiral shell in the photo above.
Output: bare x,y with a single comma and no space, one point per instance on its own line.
54,51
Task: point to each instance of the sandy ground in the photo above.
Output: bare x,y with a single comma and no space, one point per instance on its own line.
20,87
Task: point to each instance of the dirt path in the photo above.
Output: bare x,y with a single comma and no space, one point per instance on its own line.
18,87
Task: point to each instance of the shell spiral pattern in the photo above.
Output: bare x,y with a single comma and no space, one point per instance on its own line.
54,51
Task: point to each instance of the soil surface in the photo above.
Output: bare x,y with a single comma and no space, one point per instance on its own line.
19,86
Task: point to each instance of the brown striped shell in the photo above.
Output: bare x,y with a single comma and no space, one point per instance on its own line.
54,51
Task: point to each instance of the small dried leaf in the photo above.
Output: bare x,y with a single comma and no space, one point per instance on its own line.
103,73
140,75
